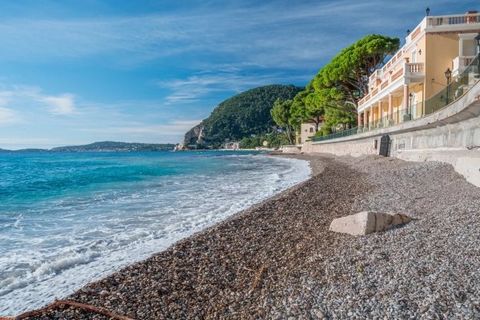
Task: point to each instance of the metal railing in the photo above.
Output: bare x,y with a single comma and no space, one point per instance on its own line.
451,93
338,134
456,89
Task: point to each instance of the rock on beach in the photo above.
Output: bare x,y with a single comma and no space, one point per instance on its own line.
278,259
367,222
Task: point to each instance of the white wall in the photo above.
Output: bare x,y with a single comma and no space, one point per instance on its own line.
450,135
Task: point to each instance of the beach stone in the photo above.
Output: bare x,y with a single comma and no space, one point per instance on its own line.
367,222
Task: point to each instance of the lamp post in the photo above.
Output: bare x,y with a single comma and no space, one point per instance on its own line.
410,106
427,11
477,39
448,76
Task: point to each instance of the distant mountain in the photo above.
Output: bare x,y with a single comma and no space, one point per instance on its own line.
240,116
24,150
112,146
104,146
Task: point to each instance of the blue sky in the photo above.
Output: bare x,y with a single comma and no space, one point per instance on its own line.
74,72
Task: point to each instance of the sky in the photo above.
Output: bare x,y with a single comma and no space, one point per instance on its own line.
75,72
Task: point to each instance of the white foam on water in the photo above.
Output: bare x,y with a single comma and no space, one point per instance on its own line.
71,242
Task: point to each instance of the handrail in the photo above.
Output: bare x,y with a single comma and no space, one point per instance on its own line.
451,93
415,67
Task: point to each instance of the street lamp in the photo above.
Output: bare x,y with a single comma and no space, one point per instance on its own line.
427,11
477,39
410,105
448,76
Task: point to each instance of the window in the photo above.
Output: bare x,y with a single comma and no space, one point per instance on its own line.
311,130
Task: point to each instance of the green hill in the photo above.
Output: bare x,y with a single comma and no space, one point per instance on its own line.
240,116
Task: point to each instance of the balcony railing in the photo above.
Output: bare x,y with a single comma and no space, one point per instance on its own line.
409,70
416,67
454,20
451,93
460,63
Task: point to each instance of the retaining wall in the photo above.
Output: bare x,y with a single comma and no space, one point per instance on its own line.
450,135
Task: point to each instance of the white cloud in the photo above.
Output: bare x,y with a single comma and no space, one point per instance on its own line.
201,84
20,97
172,128
7,116
273,34
4,98
60,105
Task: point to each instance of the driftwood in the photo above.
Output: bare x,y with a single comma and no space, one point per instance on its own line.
67,303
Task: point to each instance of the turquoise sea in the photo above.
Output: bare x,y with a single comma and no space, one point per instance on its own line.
69,218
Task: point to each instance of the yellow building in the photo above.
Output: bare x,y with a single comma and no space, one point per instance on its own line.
307,130
436,52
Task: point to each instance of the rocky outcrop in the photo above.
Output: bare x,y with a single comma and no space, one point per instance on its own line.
194,136
366,222
243,115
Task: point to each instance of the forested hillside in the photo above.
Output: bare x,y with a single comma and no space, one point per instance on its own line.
239,117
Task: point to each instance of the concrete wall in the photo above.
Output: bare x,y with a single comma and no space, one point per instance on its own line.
451,135
457,144
352,148
461,135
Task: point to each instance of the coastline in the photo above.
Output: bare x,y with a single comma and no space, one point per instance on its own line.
277,259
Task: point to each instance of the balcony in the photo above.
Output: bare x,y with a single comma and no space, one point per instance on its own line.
408,72
414,72
468,18
460,64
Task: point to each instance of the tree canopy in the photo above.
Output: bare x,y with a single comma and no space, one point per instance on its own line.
348,72
281,114
243,115
333,94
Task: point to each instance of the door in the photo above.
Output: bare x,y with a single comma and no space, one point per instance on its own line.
385,145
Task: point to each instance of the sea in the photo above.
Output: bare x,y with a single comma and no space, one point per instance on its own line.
67,219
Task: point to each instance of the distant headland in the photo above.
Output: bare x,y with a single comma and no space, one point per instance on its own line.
105,146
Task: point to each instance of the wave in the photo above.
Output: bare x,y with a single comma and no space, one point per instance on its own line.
61,244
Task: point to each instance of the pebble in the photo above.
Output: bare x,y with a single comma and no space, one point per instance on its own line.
277,260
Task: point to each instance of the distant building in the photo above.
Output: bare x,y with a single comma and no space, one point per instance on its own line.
231,146
434,54
307,130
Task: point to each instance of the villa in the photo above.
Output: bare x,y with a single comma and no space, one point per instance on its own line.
426,74
435,53
423,104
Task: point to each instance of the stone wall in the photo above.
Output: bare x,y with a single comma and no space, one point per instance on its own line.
450,135
351,148
461,135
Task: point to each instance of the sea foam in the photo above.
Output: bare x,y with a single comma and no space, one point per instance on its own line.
51,247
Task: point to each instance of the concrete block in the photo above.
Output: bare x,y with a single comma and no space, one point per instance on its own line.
367,222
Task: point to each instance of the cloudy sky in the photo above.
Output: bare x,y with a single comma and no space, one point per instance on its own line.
74,72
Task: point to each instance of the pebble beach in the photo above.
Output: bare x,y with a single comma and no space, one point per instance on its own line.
278,260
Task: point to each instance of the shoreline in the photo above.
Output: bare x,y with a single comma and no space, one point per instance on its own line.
277,259
222,195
